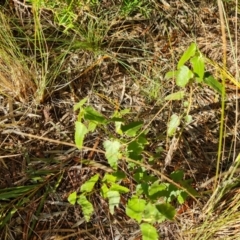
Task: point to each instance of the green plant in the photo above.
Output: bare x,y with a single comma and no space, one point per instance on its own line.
64,12
129,6
151,201
195,75
189,76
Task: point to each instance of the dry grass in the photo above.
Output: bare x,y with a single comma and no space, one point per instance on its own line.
17,80
118,62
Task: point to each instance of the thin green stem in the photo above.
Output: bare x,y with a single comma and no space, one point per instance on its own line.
221,131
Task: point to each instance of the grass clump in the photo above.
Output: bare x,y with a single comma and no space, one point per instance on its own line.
17,80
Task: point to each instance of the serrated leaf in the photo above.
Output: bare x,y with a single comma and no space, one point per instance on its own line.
131,129
148,232
119,188
184,74
190,52
114,199
175,96
135,208
173,125
198,66
72,198
212,82
89,185
80,104
167,210
86,206
112,152
92,115
80,132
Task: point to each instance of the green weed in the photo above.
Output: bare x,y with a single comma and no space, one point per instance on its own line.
151,200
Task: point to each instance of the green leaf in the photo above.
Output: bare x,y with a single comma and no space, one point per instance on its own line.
72,198
80,132
120,114
177,175
118,126
125,111
198,66
141,175
152,215
173,125
131,129
140,189
114,199
182,196
156,188
212,82
167,210
175,96
184,74
119,175
80,104
142,139
112,152
135,208
119,188
187,184
118,121
92,115
136,147
92,126
89,185
87,207
148,232
104,190
171,74
109,178
171,194
190,52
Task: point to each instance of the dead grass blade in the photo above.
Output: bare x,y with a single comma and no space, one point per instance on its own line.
15,77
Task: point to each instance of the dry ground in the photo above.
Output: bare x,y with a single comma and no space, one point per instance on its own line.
37,137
